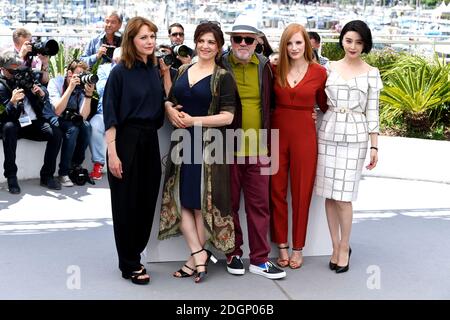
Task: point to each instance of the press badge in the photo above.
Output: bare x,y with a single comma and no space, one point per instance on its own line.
24,120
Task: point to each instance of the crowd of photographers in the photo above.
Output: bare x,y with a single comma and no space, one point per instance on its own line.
26,103
61,110
56,110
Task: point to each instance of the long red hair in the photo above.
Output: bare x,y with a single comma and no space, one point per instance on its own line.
284,62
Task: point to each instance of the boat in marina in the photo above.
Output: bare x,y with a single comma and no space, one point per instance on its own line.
76,21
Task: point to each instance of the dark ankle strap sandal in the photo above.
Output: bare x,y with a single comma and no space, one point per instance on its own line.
194,253
184,274
134,276
209,257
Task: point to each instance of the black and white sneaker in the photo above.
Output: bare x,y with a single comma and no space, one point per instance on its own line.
235,266
268,270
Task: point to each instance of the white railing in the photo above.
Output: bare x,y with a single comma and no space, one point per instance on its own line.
413,41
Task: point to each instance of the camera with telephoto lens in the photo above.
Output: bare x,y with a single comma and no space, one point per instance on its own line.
180,50
166,56
25,78
46,48
72,115
88,78
259,48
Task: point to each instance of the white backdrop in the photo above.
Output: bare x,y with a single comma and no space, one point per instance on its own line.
29,161
175,249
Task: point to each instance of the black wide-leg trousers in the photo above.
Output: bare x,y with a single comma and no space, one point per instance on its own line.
133,198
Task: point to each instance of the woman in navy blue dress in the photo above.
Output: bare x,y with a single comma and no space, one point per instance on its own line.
196,195
196,101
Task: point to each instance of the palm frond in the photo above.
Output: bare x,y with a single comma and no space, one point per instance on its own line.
416,88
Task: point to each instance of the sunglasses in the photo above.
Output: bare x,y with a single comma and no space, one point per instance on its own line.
12,69
238,40
177,34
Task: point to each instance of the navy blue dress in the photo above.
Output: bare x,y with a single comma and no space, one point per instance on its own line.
195,102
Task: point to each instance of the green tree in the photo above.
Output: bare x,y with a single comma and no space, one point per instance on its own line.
332,51
418,92
59,61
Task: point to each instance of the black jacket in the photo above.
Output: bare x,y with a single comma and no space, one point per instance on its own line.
12,113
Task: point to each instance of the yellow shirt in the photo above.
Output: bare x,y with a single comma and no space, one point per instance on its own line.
246,76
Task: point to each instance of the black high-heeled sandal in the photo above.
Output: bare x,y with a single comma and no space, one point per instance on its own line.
340,269
134,276
184,274
202,274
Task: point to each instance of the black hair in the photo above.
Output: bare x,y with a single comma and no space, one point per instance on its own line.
214,28
316,55
362,29
266,47
314,35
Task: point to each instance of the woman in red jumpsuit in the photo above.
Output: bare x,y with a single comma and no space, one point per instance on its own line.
299,86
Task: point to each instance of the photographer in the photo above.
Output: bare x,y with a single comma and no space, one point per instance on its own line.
23,47
314,37
165,60
102,46
24,118
97,143
71,97
176,36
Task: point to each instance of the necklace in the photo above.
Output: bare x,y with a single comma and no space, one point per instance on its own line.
300,74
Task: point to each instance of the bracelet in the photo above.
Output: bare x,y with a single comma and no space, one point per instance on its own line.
88,96
375,148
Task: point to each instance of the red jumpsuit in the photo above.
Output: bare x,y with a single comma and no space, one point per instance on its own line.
297,153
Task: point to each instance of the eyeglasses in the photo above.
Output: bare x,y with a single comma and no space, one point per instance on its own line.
177,34
238,40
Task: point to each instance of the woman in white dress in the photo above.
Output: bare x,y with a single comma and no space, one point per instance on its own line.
352,89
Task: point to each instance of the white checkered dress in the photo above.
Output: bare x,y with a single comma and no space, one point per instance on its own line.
342,140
